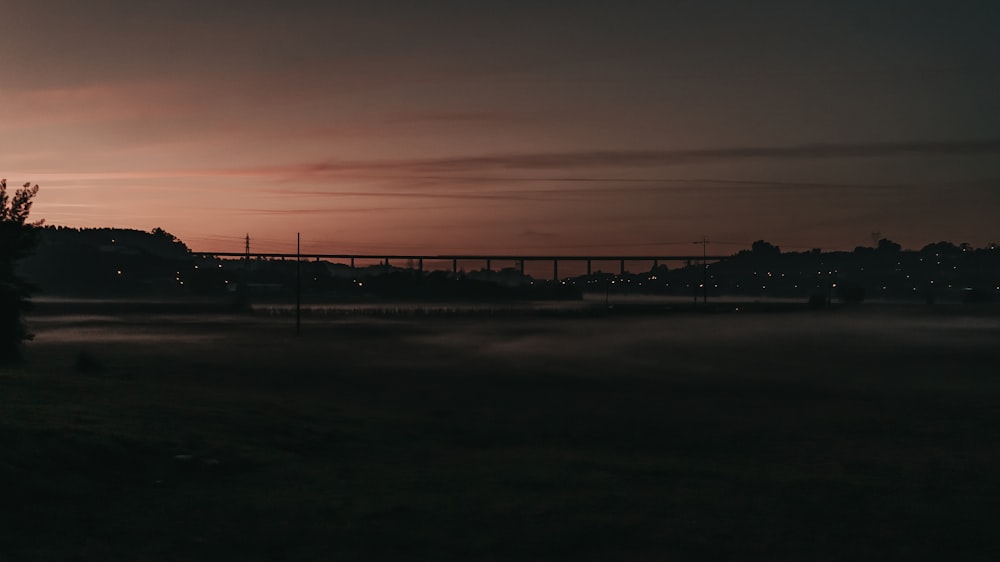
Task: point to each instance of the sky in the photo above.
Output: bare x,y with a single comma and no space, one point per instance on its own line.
507,127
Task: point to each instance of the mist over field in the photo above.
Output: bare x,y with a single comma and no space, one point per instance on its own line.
849,433
559,343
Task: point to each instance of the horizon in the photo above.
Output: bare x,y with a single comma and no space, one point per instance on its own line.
454,129
289,248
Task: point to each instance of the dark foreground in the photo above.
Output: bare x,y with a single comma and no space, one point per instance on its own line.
839,435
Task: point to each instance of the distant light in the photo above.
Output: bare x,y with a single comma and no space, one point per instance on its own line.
119,272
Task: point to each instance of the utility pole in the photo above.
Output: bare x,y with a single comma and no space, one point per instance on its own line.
243,296
298,284
704,269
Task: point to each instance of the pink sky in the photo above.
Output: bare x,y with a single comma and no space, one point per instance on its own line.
403,128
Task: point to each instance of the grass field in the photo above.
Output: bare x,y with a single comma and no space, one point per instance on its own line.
866,434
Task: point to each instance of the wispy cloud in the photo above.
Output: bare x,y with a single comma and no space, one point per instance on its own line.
621,159
329,210
478,118
531,233
566,167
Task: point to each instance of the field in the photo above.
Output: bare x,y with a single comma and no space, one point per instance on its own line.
864,434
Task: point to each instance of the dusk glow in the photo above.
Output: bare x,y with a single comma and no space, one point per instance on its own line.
470,128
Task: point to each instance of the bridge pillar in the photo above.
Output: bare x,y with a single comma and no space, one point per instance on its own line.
454,266
489,263
555,269
522,266
420,265
352,263
656,263
621,270
588,267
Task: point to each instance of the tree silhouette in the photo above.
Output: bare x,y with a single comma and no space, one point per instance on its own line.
765,248
17,238
886,246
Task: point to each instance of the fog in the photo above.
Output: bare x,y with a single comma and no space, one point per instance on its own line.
504,340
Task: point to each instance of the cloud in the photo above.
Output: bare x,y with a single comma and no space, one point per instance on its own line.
479,118
329,211
529,233
623,159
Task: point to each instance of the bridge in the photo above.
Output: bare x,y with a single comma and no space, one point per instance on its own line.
455,258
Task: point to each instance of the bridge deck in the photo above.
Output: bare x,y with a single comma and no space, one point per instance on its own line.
450,257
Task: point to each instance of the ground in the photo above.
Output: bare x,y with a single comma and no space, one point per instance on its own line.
864,434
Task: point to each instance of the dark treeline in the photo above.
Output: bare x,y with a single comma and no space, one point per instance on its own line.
105,262
108,262
938,271
112,262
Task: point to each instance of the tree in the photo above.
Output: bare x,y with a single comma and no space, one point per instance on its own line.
941,248
17,238
886,246
764,248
